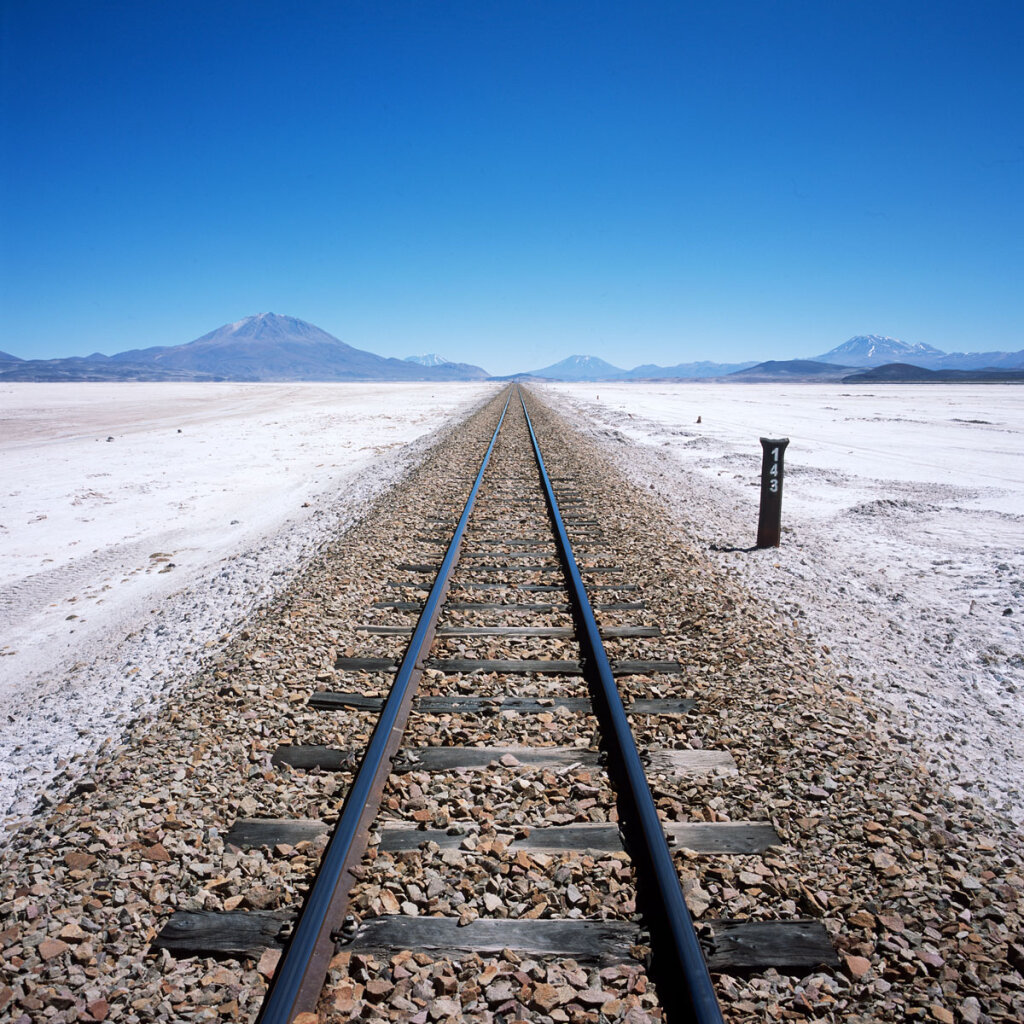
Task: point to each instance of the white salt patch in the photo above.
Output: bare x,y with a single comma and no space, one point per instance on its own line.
233,485
903,536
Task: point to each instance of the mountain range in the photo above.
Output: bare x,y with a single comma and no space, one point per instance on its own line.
877,350
581,368
272,347
265,347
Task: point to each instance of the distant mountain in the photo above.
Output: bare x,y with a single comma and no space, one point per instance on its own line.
7,360
583,368
978,361
792,370
875,350
466,371
904,373
266,347
580,368
688,371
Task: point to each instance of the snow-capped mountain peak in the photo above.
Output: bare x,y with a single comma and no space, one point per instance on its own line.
877,350
429,359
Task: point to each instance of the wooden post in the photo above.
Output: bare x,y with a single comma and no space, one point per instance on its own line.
769,521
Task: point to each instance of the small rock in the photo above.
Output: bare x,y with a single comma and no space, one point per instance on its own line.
98,1009
344,996
441,1008
78,861
378,988
268,962
856,967
545,998
49,948
970,1010
72,933
500,992
593,997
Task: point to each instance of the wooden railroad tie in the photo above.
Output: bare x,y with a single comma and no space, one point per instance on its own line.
531,631
517,666
704,837
330,701
730,947
416,606
679,763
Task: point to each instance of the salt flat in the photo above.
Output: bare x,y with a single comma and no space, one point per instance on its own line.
139,520
903,536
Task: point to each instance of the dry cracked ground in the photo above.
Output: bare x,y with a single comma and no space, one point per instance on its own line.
920,892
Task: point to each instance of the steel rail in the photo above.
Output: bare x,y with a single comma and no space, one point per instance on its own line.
684,984
301,972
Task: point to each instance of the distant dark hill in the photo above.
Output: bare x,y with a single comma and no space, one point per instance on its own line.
905,373
579,368
685,371
92,368
789,370
266,347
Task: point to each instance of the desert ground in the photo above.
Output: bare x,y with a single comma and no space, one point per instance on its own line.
139,521
860,671
903,537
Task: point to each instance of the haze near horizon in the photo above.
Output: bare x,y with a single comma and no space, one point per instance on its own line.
508,184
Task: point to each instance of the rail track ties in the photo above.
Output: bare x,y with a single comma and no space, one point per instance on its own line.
499,802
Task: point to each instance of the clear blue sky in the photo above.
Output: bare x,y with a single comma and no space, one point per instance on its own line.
508,183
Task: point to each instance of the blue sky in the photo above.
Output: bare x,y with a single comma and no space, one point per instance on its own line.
510,183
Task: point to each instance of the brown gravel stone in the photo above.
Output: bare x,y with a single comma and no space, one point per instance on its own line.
98,1009
545,998
50,948
856,966
268,962
378,988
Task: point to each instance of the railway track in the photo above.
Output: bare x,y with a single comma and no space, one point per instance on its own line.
517,704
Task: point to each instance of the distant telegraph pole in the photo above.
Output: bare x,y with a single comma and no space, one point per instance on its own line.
769,521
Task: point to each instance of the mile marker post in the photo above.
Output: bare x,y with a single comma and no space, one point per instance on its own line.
769,521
